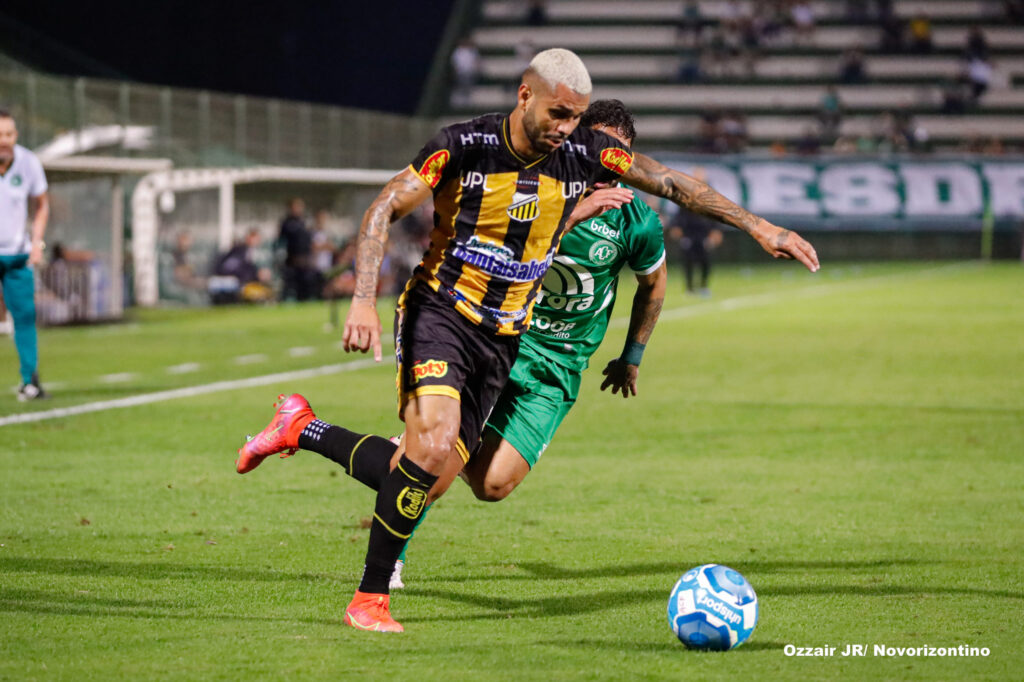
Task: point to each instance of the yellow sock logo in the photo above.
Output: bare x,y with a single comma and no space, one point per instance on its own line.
410,502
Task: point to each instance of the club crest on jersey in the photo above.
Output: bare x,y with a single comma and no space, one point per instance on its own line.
428,368
603,252
525,207
16,180
616,160
431,170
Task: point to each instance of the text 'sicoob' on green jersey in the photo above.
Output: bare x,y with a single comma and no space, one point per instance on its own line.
572,311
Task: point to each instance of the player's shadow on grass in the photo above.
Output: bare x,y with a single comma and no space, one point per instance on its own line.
156,570
670,569
63,603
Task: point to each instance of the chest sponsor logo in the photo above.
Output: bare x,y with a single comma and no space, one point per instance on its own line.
478,138
498,261
525,207
474,179
433,167
602,229
571,190
616,160
428,368
603,252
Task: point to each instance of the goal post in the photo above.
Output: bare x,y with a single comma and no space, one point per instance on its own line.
215,206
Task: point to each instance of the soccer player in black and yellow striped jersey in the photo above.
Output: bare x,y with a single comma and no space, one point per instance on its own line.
504,188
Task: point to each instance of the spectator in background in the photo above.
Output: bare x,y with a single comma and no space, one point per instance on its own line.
802,15
465,64
892,34
830,114
978,74
690,67
851,67
732,129
525,51
955,95
921,34
977,45
298,273
238,277
691,24
809,143
323,247
537,13
185,275
1014,10
341,278
697,236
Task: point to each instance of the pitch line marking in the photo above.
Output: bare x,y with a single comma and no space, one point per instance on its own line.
772,297
186,392
327,370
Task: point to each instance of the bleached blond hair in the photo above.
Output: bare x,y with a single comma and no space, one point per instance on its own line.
562,66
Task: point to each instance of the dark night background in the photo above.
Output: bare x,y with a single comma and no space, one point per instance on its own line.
373,55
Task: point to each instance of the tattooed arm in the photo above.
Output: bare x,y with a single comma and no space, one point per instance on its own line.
401,195
690,193
647,301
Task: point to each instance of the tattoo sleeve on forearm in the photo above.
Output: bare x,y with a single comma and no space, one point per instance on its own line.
643,317
373,233
651,176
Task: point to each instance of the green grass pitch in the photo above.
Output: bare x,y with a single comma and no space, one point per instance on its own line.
851,441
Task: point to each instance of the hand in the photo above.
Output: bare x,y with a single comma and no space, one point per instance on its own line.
362,329
598,202
621,377
783,243
35,256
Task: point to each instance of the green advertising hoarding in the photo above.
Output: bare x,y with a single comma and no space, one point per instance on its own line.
951,193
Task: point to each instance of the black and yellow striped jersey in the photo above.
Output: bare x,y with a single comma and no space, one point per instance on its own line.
498,218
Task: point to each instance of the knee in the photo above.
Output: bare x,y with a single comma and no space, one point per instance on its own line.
493,491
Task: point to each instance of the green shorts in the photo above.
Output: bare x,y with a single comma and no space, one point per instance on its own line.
531,407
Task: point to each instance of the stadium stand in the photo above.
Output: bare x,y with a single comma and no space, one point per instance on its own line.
750,63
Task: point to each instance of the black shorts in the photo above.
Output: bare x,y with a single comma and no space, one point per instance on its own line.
440,352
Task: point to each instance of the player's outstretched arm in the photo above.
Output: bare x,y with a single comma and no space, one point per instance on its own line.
622,373
402,194
651,176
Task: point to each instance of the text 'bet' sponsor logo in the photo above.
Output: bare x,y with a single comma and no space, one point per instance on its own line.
496,261
410,502
602,229
428,368
718,607
616,160
524,208
433,167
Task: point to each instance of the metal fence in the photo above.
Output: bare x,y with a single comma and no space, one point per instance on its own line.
201,128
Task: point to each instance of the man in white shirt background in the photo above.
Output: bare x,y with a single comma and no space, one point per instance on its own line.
22,192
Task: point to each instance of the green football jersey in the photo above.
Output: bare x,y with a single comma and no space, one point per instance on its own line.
572,311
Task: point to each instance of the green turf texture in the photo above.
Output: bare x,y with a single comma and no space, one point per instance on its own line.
851,441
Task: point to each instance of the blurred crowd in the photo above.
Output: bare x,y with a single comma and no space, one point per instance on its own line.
308,259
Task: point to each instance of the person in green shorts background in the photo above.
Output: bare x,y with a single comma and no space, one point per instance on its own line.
570,320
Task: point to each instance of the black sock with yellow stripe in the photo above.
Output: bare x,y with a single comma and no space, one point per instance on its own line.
364,457
400,502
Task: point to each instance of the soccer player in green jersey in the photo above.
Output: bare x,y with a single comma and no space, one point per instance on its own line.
570,320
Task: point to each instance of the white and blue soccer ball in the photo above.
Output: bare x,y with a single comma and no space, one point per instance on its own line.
712,607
